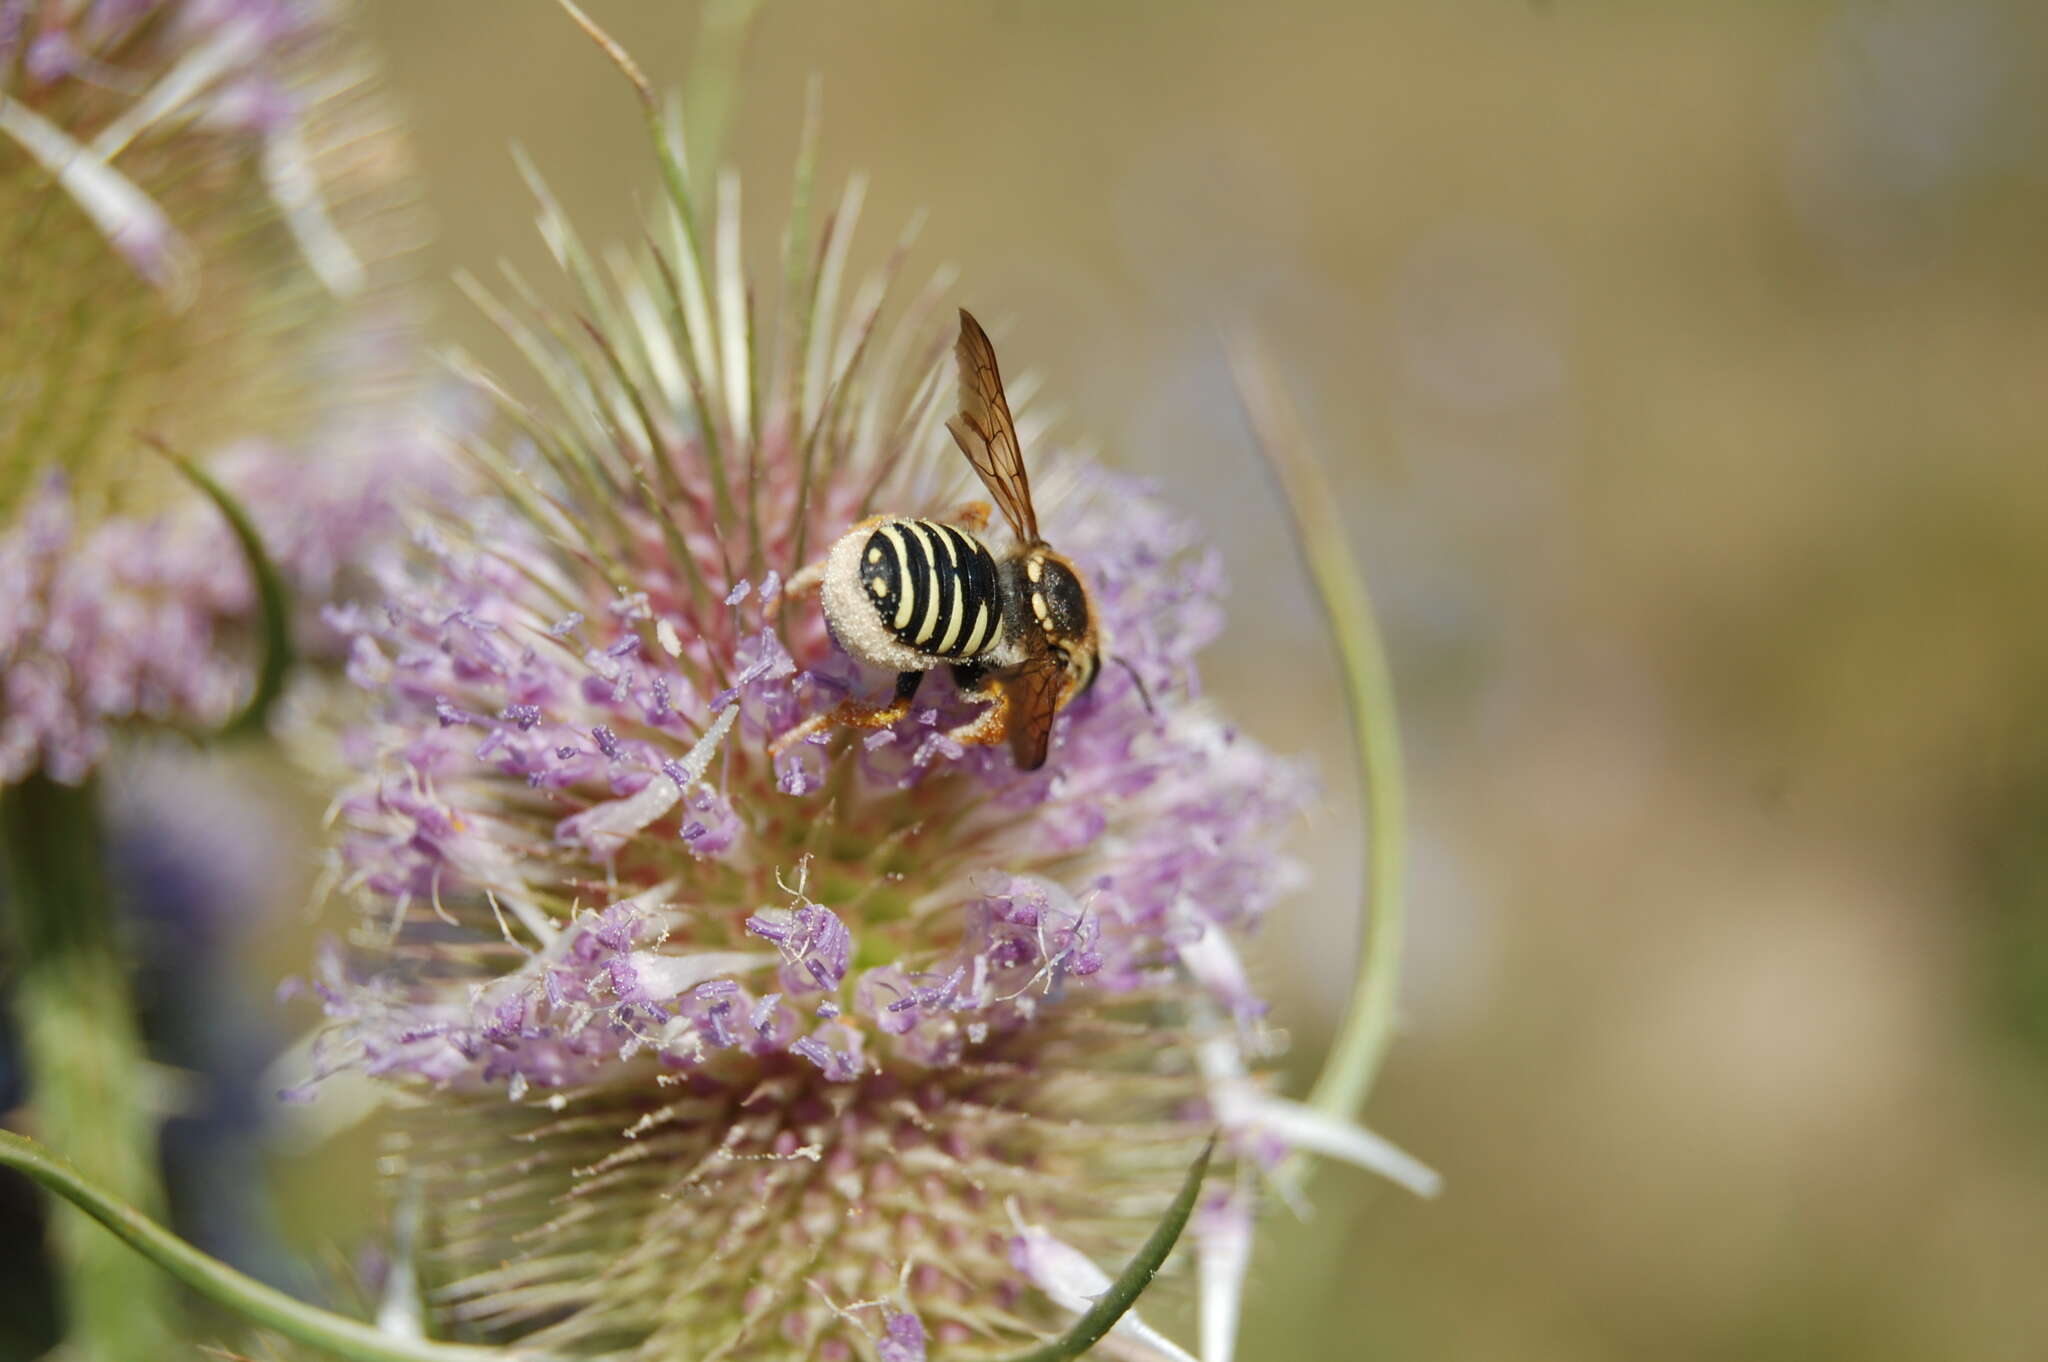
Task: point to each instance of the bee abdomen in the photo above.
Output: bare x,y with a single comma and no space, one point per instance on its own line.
933,587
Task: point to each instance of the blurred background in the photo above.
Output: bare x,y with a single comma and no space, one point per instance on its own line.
1683,372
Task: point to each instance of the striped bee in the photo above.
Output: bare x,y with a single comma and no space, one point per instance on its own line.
1018,629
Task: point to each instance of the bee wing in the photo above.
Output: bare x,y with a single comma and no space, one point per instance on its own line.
1033,689
985,432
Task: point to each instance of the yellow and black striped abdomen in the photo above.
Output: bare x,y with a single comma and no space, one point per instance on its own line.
933,587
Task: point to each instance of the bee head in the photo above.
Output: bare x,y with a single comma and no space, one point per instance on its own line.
1059,603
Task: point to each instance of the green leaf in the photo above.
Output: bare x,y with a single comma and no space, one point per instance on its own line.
273,603
252,1300
1123,1293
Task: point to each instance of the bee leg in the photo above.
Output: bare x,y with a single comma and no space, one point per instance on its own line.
972,515
807,578
853,714
992,725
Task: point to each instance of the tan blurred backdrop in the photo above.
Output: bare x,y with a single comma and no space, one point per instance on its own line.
1682,371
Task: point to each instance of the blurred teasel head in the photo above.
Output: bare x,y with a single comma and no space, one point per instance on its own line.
209,220
718,1044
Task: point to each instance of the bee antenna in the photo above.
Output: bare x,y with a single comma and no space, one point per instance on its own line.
1139,682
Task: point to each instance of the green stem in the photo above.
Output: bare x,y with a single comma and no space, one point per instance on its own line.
1368,1024
263,1306
84,1058
1113,1304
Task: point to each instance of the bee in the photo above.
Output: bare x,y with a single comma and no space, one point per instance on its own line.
1017,628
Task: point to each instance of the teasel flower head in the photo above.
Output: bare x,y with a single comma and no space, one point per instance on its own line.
210,220
873,1048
